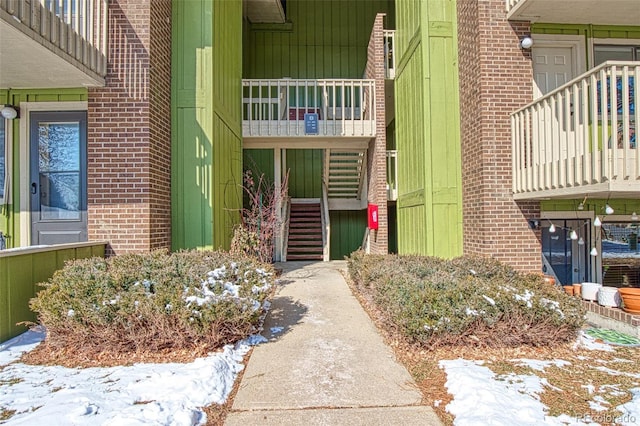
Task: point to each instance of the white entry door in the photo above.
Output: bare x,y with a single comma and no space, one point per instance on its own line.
552,67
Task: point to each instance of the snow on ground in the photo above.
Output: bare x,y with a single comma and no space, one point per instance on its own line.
141,394
480,397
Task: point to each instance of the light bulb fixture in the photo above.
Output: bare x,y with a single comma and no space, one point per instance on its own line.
581,241
634,216
573,235
552,228
597,222
594,252
9,112
526,42
608,209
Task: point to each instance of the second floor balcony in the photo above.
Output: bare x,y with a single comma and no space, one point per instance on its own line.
53,43
580,139
274,111
596,12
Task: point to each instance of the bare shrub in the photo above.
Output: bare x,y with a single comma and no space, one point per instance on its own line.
260,217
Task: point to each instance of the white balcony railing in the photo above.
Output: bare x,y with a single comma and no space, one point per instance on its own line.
77,27
389,57
511,4
580,138
277,108
392,175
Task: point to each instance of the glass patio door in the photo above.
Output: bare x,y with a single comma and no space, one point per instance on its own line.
58,183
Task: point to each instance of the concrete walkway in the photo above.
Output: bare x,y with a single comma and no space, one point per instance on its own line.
327,365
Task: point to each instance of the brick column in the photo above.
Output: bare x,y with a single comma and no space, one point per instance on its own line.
129,131
377,153
495,79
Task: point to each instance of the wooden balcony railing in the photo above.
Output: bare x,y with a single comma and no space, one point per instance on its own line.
291,108
77,27
392,175
389,56
580,138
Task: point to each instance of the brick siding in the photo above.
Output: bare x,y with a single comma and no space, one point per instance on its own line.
495,80
377,154
129,136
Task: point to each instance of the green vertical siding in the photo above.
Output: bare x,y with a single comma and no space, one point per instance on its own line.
427,129
206,122
325,39
347,232
20,272
305,172
10,215
259,161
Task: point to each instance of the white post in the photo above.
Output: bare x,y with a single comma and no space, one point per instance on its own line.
277,186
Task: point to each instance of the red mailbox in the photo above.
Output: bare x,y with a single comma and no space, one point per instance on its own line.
373,216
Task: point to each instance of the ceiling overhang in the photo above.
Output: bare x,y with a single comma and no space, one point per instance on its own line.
264,11
595,12
29,63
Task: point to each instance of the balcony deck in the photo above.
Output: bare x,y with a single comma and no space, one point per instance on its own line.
325,113
595,12
580,138
53,43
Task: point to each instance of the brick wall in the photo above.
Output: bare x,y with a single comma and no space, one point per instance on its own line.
495,80
129,131
376,155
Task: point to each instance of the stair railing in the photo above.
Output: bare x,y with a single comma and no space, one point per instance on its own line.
326,225
284,227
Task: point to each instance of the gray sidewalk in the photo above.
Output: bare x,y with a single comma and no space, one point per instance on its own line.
328,365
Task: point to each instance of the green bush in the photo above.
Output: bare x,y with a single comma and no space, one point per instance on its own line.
468,299
153,301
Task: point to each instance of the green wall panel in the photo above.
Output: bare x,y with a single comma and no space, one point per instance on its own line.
20,273
347,232
305,172
259,161
10,215
206,122
428,129
325,39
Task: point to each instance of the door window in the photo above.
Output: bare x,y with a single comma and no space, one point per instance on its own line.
563,257
59,170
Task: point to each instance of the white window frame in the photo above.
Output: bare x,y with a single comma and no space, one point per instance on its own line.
8,141
26,108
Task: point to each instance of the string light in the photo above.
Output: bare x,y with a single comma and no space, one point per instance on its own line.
573,235
581,241
608,209
634,216
597,222
594,251
552,228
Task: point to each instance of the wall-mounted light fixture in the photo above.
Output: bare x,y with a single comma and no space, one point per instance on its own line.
9,112
526,42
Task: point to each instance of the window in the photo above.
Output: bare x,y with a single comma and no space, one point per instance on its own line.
603,53
3,161
620,254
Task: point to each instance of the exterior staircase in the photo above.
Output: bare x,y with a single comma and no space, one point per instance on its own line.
345,173
305,231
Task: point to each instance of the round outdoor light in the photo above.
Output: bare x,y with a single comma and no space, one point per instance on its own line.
526,42
9,112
